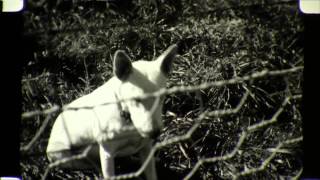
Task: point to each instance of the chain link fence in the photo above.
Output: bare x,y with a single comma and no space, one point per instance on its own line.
235,152
233,109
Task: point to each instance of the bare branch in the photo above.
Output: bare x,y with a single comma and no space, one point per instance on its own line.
38,134
30,114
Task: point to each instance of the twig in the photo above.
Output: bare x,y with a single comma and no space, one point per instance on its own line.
38,134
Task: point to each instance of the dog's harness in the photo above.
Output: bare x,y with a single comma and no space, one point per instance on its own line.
125,115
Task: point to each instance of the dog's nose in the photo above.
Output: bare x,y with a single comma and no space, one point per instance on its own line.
154,134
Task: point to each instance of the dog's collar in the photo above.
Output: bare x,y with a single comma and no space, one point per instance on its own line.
125,115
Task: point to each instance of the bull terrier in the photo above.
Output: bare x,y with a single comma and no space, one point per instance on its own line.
76,128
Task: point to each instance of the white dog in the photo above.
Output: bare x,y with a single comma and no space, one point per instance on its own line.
74,129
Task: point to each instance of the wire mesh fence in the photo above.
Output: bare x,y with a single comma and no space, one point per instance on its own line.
225,116
275,148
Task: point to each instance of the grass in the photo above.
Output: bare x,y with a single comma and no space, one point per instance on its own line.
69,54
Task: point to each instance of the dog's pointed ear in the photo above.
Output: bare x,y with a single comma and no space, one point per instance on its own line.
122,66
166,59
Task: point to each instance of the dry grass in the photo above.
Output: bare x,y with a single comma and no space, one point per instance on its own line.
70,52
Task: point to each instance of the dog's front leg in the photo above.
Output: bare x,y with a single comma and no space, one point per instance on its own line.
107,162
150,171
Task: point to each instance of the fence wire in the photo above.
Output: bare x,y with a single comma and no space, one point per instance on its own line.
273,151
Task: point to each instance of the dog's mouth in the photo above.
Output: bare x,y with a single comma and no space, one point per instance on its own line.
150,135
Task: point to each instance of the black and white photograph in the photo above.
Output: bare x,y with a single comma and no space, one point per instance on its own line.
162,89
